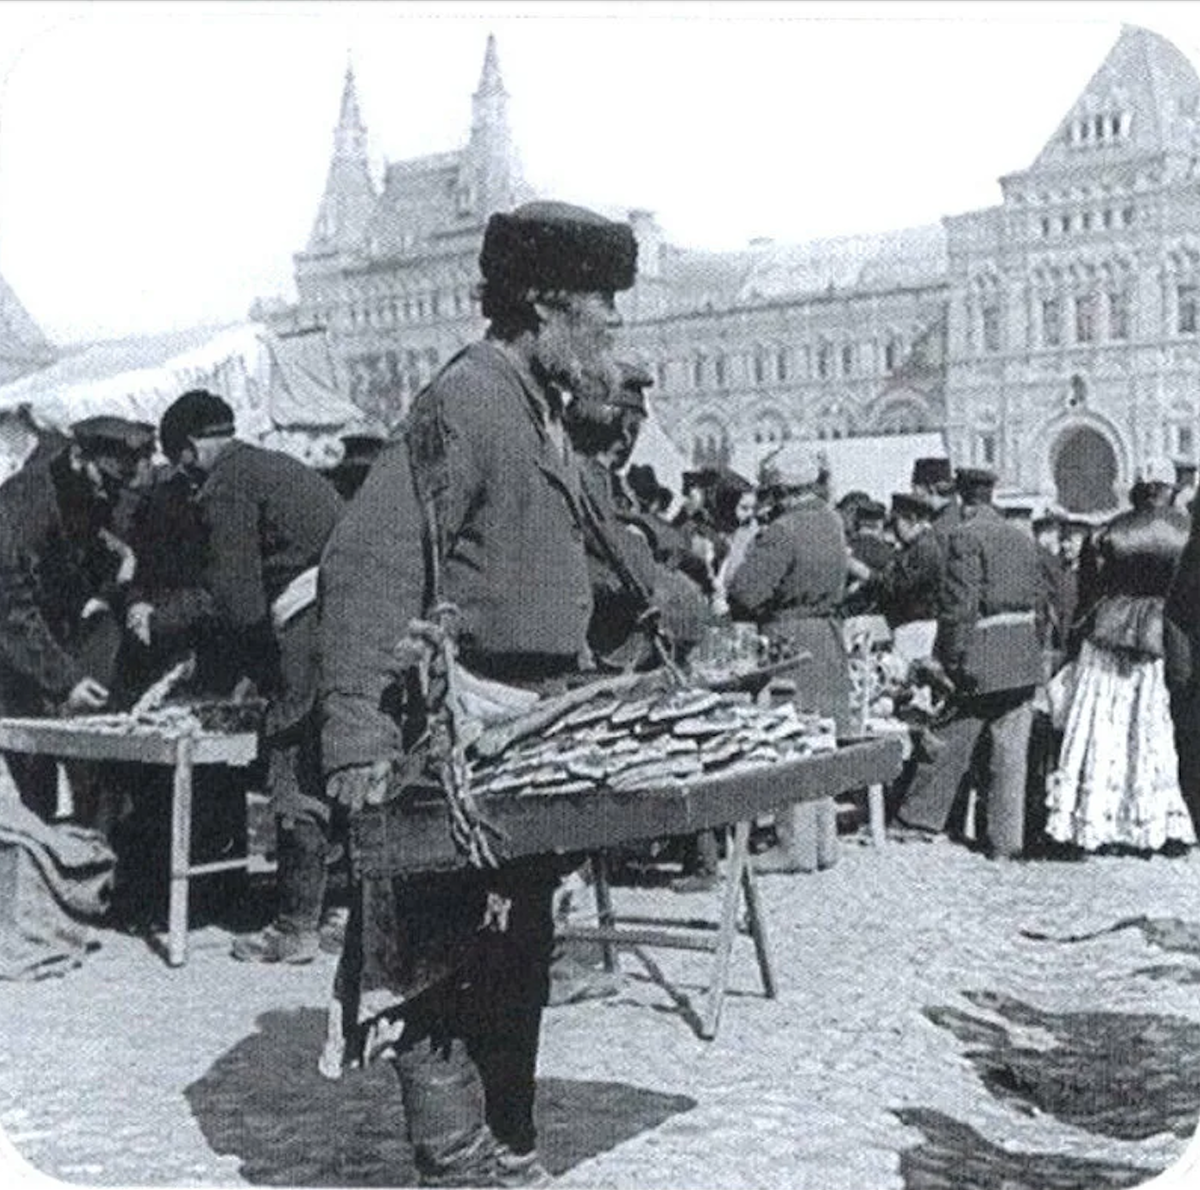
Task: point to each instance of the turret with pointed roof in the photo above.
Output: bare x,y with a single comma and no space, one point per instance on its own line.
349,196
1143,100
490,169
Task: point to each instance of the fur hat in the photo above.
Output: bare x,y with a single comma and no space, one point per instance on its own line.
911,506
928,472
553,245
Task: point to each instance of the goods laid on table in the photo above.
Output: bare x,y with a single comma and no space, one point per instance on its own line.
661,739
885,685
727,652
171,719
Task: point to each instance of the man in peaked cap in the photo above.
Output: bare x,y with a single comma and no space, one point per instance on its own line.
906,588
63,578
484,473
987,642
791,584
933,478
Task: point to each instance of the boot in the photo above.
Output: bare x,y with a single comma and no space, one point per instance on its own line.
520,1169
332,930
292,937
700,871
795,848
826,831
444,1113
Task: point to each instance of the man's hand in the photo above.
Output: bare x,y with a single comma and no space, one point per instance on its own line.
361,785
137,620
86,695
127,560
94,607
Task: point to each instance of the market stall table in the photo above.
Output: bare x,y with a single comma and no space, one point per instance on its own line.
76,739
415,836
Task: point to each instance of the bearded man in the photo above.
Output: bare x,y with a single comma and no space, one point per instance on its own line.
476,502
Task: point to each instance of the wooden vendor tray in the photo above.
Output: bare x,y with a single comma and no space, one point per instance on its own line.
418,836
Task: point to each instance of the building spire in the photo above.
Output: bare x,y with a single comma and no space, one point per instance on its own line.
490,82
349,196
350,136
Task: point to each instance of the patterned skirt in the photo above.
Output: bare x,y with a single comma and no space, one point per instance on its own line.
1117,781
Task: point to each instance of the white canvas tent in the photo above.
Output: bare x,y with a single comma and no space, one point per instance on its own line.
656,449
878,465
283,389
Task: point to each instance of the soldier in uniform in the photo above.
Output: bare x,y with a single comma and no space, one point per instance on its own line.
268,517
906,589
868,543
933,478
988,645
791,584
63,578
484,476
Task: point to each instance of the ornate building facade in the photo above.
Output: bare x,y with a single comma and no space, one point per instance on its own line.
1054,337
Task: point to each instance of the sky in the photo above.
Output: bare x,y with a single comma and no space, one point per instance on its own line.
161,162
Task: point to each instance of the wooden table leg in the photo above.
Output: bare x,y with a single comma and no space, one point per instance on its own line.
875,813
604,906
181,853
727,929
758,928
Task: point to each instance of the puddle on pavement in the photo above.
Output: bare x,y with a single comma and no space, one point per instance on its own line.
1125,1075
1167,933
953,1156
264,1102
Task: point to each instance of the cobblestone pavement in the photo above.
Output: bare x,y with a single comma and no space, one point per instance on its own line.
921,1039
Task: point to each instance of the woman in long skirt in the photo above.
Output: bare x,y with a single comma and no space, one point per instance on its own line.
1117,782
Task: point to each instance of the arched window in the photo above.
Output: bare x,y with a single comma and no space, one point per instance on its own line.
824,360
710,444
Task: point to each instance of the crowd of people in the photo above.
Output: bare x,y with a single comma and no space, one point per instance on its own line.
503,515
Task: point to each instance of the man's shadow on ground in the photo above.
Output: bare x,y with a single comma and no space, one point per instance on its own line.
265,1103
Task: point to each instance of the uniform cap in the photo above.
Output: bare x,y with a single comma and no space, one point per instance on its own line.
629,391
911,505
854,499
1017,512
553,245
361,450
114,433
930,471
974,479
704,479
1185,472
871,510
